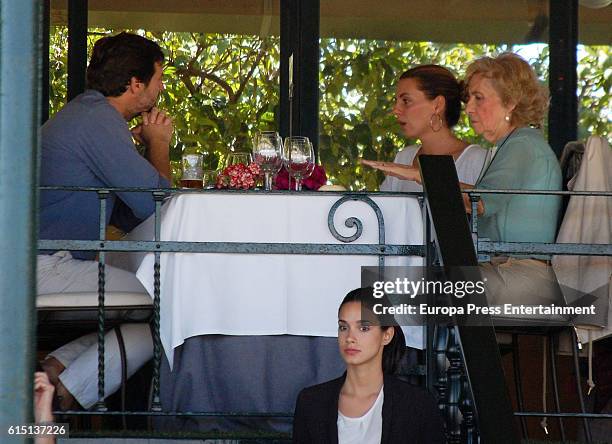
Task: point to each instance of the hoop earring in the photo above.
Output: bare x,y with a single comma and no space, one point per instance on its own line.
439,122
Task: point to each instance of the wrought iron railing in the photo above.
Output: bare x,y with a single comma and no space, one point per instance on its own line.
157,246
446,370
486,248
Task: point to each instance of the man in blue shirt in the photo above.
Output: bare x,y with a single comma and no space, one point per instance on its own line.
89,144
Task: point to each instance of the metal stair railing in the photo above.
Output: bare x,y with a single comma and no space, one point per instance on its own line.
485,248
457,384
473,384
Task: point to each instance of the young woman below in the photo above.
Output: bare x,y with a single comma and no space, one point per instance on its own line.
427,107
367,405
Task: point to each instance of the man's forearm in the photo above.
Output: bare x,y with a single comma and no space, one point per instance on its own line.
156,132
158,156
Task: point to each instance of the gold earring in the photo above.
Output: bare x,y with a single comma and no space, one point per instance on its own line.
435,125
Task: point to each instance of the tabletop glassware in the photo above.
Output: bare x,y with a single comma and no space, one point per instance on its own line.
192,171
298,158
209,179
267,153
238,157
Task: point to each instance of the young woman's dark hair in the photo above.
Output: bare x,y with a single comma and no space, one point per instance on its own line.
116,59
434,81
394,350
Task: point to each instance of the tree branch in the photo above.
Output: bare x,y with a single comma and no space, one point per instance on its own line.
246,79
221,61
222,83
184,75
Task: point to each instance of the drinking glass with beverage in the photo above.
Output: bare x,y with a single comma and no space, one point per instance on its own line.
192,171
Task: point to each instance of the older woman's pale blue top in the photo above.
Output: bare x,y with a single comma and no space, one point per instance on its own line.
524,161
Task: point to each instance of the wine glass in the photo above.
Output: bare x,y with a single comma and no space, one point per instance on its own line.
267,153
238,157
298,158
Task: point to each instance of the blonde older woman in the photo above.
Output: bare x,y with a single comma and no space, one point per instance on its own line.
507,105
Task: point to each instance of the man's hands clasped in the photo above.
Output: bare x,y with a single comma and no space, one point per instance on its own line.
156,128
155,132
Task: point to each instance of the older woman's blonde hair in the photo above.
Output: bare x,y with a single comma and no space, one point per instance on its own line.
515,82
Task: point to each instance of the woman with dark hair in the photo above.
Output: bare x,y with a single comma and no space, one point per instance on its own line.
427,107
367,404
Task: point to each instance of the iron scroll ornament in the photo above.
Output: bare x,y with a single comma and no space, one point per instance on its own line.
353,222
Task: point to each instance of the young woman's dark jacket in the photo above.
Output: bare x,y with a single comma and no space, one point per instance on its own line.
409,414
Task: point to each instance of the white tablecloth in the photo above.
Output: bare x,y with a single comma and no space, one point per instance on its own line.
237,294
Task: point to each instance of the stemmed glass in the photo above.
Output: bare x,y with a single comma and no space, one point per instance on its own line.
267,153
239,157
298,158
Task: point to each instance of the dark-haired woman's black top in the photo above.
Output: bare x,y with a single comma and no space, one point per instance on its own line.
409,414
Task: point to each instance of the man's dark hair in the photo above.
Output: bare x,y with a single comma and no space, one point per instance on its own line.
116,59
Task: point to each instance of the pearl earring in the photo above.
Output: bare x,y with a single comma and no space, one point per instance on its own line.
507,118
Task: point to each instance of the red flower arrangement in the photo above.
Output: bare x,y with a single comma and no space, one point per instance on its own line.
239,176
316,180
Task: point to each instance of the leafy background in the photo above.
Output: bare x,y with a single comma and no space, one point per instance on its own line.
221,89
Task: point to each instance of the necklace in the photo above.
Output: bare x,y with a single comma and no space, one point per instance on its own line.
494,155
506,139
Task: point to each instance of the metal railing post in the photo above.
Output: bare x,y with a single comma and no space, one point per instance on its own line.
491,406
157,348
103,200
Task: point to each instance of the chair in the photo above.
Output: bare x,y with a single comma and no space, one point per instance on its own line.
588,220
79,311
582,273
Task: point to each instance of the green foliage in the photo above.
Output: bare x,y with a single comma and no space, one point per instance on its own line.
221,89
594,89
58,69
357,79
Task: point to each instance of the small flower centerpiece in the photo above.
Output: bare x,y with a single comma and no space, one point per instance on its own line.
317,179
239,176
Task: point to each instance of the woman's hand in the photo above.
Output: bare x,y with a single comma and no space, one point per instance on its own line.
401,171
43,398
467,203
